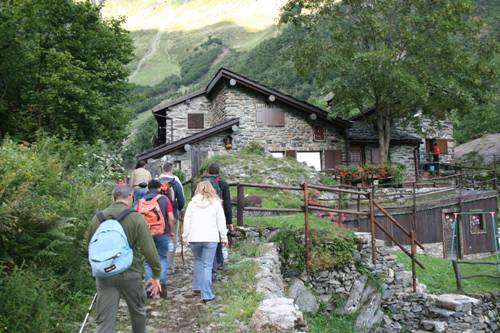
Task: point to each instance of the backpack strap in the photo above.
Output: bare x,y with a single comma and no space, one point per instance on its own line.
123,214
100,217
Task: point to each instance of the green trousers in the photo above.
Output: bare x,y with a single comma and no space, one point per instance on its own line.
128,285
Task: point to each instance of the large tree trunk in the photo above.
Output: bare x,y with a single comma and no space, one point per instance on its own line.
384,134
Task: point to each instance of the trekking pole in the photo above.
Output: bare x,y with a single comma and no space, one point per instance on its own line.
181,222
88,314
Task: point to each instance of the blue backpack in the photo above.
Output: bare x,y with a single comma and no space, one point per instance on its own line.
109,250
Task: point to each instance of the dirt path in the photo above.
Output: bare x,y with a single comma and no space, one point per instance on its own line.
178,313
154,47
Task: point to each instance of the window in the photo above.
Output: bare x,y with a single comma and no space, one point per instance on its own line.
269,115
312,159
318,133
355,156
177,165
196,120
477,223
442,144
277,154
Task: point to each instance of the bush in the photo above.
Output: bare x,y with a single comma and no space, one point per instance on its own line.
49,191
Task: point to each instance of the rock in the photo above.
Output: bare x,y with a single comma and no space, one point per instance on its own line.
353,303
456,302
369,314
278,315
302,297
434,325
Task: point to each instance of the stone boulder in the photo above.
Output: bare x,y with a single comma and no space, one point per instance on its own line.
302,296
278,315
353,303
456,302
370,312
481,150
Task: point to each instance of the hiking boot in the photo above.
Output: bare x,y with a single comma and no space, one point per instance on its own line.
163,292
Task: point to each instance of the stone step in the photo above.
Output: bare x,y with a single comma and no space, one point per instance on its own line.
456,302
437,312
434,325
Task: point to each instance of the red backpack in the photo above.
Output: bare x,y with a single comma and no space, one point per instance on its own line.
151,211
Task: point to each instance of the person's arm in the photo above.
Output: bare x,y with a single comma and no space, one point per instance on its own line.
226,202
186,226
131,182
179,195
221,223
92,229
171,218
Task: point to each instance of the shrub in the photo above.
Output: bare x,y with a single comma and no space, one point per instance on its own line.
49,191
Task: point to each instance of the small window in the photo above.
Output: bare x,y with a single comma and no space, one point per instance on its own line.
177,165
477,223
355,156
278,154
269,115
196,120
319,133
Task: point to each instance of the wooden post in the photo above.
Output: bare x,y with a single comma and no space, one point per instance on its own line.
372,227
414,217
306,230
458,278
495,172
413,258
358,208
240,204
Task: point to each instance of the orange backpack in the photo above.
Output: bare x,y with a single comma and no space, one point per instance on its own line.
151,211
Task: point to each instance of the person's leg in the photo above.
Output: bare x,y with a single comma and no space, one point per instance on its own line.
219,257
132,290
207,258
171,255
161,243
196,248
108,297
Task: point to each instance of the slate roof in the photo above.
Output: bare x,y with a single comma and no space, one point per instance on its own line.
361,132
197,137
224,74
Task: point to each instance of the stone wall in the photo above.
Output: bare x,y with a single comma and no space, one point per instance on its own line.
404,154
430,129
382,296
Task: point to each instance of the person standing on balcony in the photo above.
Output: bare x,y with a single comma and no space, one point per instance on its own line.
435,154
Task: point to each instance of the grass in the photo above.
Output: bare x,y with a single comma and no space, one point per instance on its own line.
440,278
329,322
290,220
238,294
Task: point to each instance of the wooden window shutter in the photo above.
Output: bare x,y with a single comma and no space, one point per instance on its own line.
332,158
375,157
277,117
291,153
259,116
318,133
196,120
443,145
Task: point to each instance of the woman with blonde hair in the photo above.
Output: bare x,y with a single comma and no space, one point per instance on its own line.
204,227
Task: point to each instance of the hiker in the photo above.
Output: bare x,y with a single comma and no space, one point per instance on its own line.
157,211
435,153
139,180
222,190
204,227
171,186
129,283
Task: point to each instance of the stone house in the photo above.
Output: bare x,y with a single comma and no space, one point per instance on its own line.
233,110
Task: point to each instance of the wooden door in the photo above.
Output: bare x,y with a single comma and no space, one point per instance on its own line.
332,159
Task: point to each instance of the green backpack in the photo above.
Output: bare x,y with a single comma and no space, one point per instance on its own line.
214,180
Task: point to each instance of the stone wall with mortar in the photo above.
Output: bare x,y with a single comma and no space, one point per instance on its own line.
404,154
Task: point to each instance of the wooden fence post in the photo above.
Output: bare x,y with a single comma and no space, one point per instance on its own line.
414,215
458,278
413,258
240,204
372,227
306,230
495,172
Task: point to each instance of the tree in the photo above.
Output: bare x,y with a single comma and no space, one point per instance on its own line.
62,70
395,56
